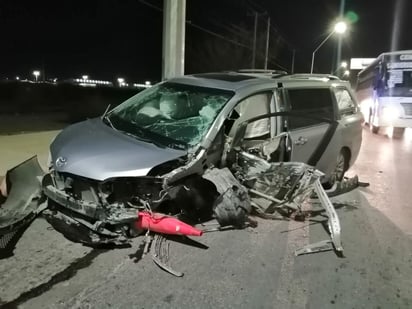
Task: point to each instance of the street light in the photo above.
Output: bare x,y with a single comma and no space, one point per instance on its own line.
340,28
36,74
121,82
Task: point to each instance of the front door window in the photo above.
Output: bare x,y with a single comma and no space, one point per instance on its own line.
251,107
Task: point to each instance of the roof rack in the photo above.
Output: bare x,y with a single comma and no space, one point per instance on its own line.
261,72
315,76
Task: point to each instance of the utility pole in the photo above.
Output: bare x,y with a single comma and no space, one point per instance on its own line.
267,43
292,70
254,42
174,23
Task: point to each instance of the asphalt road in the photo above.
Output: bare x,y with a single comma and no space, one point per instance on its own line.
251,268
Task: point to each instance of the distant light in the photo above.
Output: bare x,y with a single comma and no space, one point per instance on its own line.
147,83
346,73
87,85
17,78
341,27
36,74
121,82
344,64
85,76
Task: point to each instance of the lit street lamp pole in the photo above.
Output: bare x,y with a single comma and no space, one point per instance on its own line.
340,28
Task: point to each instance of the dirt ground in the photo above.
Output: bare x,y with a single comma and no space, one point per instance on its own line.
11,124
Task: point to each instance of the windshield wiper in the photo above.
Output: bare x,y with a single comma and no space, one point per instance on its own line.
146,140
109,122
106,111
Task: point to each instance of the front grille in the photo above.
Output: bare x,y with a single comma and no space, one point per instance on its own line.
78,187
407,107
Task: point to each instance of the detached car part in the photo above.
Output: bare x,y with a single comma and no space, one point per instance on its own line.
286,185
22,204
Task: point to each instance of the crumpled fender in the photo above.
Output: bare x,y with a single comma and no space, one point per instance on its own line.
22,202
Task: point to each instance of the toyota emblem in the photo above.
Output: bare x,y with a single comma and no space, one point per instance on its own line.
61,161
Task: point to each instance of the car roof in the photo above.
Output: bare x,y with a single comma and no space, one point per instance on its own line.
237,80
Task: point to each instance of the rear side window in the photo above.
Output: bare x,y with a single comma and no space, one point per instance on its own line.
312,102
346,105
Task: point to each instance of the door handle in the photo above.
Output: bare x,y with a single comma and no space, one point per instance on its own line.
301,141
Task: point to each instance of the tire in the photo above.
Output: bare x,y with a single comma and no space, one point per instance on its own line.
372,128
398,132
342,165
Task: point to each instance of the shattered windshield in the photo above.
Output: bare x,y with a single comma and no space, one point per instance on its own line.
172,115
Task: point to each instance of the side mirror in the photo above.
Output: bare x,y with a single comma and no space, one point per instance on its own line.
234,115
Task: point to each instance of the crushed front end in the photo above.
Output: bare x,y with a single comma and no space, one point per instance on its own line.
98,212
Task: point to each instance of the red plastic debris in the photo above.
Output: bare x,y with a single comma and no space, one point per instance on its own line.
163,224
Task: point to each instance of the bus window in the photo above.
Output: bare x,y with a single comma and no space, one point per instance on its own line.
399,78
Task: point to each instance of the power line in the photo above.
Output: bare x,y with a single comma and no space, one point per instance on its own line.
151,5
210,32
218,35
253,6
271,60
200,27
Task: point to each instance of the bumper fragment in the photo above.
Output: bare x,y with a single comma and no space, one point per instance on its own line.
22,203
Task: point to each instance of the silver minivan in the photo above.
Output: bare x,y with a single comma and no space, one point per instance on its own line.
154,148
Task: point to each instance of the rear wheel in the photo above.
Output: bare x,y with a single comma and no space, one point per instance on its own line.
398,132
342,165
374,129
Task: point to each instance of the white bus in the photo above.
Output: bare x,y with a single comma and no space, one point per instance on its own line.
384,91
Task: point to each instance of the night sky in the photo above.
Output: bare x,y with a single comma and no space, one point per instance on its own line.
107,38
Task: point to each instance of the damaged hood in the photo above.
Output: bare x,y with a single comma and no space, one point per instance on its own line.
94,150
